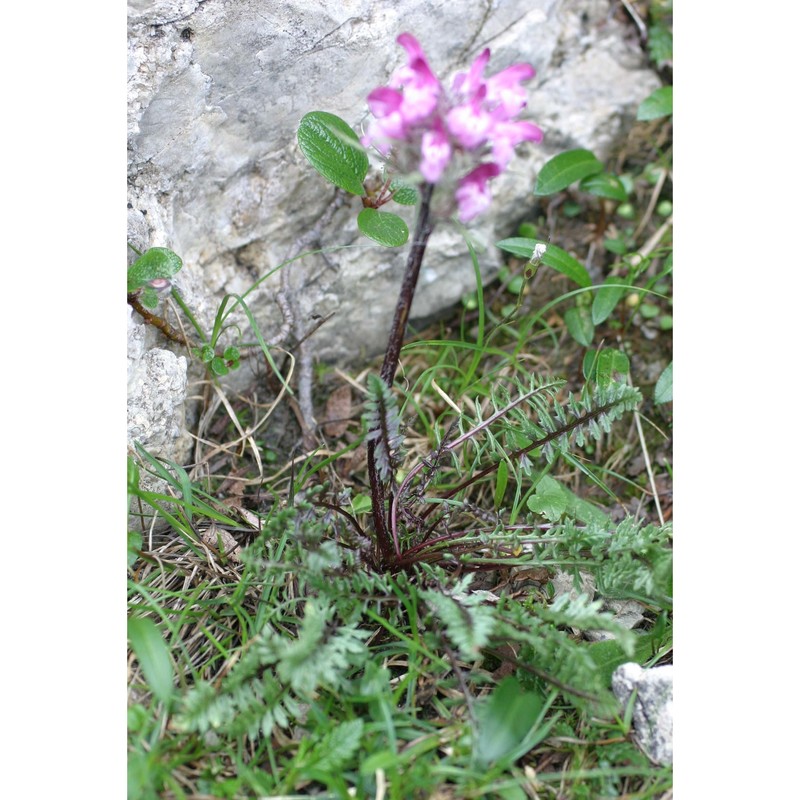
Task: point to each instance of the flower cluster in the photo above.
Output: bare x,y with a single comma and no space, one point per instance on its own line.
476,117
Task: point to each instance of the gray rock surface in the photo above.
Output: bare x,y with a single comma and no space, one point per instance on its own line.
652,711
215,93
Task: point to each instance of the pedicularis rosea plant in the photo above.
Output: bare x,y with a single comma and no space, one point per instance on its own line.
439,149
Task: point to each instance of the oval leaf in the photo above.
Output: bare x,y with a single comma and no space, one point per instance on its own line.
548,499
404,194
607,297
663,390
658,104
556,258
333,149
151,651
157,262
608,362
605,185
565,169
579,324
505,721
383,227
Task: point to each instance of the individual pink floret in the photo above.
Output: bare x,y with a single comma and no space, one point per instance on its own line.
436,152
473,195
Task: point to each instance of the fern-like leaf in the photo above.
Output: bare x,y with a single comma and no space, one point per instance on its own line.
467,619
382,420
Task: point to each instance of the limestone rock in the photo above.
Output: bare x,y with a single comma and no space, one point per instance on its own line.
652,711
216,91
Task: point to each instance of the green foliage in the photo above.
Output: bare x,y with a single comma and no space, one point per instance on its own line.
467,621
658,104
334,151
565,169
382,422
605,365
548,499
383,227
155,264
663,390
605,185
403,193
509,724
153,656
659,32
553,256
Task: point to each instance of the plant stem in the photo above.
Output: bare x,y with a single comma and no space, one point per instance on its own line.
410,278
422,232
156,321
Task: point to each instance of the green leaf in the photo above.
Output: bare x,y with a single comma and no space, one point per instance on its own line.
361,503
607,297
505,723
579,324
151,651
548,499
157,262
604,185
206,353
134,545
556,258
383,227
663,390
609,654
335,749
659,43
608,362
658,104
404,194
500,484
333,149
149,297
218,366
565,169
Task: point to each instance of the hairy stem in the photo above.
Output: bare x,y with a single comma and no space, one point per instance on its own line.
410,278
391,359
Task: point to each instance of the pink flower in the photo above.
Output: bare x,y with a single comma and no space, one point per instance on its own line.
436,152
507,135
470,124
473,195
424,126
504,90
466,84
